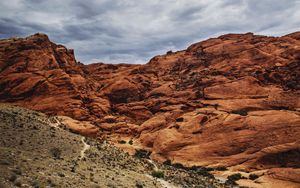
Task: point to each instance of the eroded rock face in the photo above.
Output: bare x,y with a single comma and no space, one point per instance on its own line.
228,101
41,75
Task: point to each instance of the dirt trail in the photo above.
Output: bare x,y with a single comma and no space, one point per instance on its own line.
85,148
153,164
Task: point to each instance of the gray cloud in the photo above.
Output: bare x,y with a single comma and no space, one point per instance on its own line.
133,31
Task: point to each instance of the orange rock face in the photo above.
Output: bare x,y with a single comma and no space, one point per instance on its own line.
229,101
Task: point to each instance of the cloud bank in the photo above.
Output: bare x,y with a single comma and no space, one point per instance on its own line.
133,31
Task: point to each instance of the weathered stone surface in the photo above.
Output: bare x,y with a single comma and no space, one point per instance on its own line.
229,101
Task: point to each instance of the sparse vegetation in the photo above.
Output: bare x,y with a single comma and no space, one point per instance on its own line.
12,178
204,172
169,52
56,153
253,176
195,168
180,119
167,162
221,168
18,183
233,178
95,169
178,165
36,184
61,174
158,174
141,153
17,171
241,112
203,120
139,184
122,142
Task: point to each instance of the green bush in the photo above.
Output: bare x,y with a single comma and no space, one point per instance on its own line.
17,170
221,168
253,176
141,153
178,165
180,119
167,162
233,178
230,182
242,112
36,184
204,172
56,153
18,183
122,142
201,170
12,178
158,174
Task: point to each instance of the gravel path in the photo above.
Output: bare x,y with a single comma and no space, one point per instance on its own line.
85,148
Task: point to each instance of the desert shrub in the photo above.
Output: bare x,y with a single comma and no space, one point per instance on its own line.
204,172
167,162
221,168
230,182
36,184
158,174
199,168
12,178
178,165
241,112
180,119
141,153
203,120
169,52
17,170
233,178
292,84
18,183
139,184
56,153
61,174
122,142
253,176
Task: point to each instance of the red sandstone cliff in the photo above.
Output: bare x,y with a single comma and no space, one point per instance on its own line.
228,101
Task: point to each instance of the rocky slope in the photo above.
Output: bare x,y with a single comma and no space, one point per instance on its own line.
38,151
230,101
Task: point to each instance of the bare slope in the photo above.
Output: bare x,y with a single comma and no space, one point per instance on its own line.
36,151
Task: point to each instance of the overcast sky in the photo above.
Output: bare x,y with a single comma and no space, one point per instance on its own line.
133,31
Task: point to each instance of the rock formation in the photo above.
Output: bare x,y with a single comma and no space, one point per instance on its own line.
37,150
230,101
